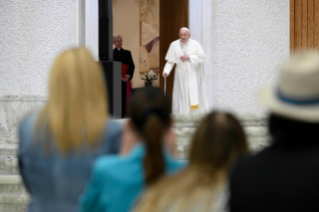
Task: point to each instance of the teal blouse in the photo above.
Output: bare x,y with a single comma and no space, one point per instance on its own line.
117,181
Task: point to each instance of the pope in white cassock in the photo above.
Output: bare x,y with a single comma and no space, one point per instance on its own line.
189,94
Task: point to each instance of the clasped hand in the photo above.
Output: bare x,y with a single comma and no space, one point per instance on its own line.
126,78
184,58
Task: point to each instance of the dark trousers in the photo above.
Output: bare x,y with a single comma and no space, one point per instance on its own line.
124,102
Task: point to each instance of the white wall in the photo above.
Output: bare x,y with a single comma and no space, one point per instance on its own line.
250,39
32,33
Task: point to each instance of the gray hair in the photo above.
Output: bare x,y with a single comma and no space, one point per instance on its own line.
116,36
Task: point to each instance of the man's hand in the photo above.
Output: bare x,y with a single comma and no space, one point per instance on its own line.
126,78
164,74
185,57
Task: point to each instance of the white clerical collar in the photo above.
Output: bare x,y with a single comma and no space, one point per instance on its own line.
185,42
119,49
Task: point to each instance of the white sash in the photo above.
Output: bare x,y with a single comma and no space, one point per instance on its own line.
191,84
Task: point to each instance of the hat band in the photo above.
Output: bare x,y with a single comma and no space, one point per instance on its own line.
309,101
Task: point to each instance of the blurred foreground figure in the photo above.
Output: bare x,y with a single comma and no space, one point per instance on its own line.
284,176
218,141
117,181
59,144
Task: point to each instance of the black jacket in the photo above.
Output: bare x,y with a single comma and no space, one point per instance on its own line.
126,58
283,177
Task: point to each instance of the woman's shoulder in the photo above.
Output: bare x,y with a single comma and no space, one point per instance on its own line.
108,165
118,163
177,164
27,124
25,130
174,164
108,162
112,124
29,119
112,136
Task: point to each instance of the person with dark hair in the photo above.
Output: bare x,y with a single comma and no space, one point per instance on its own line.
284,176
218,141
118,180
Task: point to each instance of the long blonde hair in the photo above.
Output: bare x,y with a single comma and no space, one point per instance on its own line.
217,142
77,107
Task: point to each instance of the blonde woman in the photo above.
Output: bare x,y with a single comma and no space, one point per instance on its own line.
217,143
59,144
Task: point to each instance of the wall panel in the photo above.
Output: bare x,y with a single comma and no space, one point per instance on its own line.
310,24
316,25
292,24
298,22
304,25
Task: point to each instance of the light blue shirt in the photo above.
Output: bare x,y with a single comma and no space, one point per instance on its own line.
55,181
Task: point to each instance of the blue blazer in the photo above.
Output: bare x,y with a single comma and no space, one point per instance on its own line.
117,181
55,181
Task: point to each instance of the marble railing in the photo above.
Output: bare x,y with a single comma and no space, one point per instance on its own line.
255,127
12,110
13,197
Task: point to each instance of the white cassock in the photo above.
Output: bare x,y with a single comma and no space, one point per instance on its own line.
189,94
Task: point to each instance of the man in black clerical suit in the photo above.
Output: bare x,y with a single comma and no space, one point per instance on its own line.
124,56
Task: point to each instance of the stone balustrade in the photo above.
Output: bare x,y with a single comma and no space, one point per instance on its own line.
14,198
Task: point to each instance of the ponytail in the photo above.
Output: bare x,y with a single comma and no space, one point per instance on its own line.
154,165
149,111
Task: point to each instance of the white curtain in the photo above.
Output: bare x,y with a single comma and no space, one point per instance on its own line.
92,27
200,21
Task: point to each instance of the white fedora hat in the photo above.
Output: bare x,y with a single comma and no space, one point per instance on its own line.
296,95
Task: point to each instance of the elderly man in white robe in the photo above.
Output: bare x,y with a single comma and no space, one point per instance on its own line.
189,94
